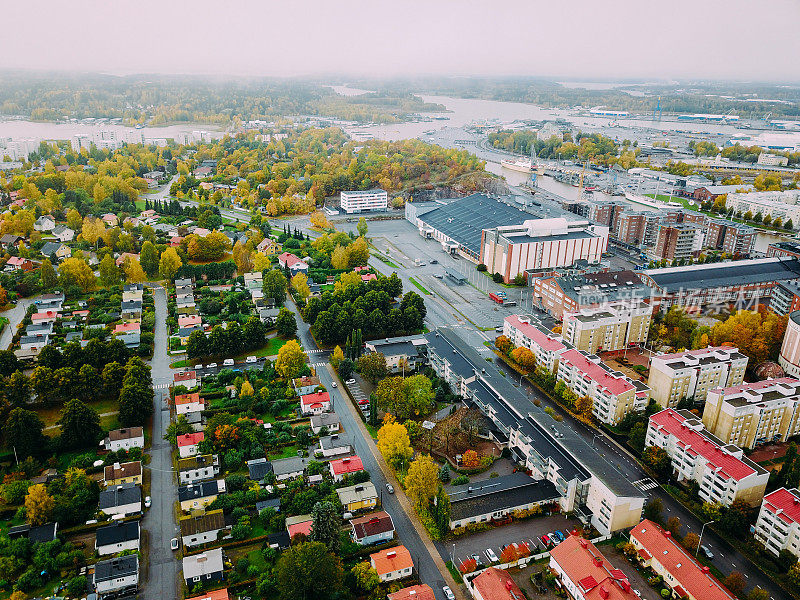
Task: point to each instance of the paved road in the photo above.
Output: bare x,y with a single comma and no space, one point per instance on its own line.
14,316
406,532
159,521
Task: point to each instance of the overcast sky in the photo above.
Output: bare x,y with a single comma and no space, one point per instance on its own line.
719,39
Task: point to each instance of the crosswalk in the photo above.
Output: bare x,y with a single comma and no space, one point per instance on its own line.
645,484
318,351
319,364
161,386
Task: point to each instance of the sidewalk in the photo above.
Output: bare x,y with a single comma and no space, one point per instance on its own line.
405,504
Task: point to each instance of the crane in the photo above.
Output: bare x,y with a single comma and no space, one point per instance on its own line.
657,110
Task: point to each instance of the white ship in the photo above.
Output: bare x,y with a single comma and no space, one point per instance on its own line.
524,165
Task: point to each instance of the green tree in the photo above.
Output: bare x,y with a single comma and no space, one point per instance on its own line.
308,571
136,396
653,509
23,432
80,425
149,258
286,324
47,275
274,285
657,459
365,576
372,366
18,389
109,273
362,227
325,525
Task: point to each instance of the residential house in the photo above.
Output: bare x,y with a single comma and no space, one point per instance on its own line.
48,316
120,473
125,499
124,439
268,246
36,341
117,575
258,469
213,595
204,569
413,592
328,420
198,468
305,385
117,537
200,495
17,263
362,496
55,250
201,529
299,525
392,564
289,468
315,404
44,223
187,443
668,559
189,403
188,379
342,467
295,264
403,354
372,529
333,445
495,584
63,233
35,533
110,219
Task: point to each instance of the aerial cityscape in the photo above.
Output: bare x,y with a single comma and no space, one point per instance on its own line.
336,301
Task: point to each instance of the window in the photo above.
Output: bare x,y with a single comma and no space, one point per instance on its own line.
195,579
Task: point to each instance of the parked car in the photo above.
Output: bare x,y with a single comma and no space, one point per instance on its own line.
477,559
350,381
251,359
147,502
545,540
390,488
707,552
211,366
491,555
559,535
228,362
448,593
334,384
173,543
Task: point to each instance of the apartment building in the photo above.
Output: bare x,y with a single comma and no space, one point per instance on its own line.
721,470
364,200
678,241
526,331
778,523
630,228
691,374
612,327
613,394
788,248
789,357
785,298
778,205
731,238
754,413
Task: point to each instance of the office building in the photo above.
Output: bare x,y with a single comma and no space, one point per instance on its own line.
754,413
691,374
721,470
359,201
778,523
615,326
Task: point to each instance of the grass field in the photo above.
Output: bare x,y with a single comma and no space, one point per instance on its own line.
419,286
51,414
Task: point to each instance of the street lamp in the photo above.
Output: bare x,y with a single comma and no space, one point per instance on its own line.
700,540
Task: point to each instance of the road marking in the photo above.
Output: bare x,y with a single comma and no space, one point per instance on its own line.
161,386
645,484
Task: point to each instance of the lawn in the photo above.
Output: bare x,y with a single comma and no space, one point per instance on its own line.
385,260
51,414
287,452
419,286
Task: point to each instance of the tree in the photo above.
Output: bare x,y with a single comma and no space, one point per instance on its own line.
308,571
653,509
318,219
148,258
657,459
286,324
346,368
76,272
339,258
422,480
394,443
291,359
109,274
758,334
300,285
365,576
23,432
136,396
358,253
80,425
18,389
735,582
47,275
325,525
638,436
39,505
337,357
372,366
134,273
274,285
758,593
794,575
362,227
169,263
583,406
523,357
470,459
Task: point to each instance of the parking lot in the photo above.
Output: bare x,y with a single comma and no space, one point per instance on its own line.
519,531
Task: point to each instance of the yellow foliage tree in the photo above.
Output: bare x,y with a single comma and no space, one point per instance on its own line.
337,357
134,273
318,219
169,263
247,389
291,359
38,504
422,480
358,253
300,285
394,443
346,280
758,334
339,258
92,229
75,271
260,261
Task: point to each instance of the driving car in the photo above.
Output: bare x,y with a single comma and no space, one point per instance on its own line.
491,555
173,543
390,488
251,359
334,384
228,362
448,593
147,502
707,552
434,261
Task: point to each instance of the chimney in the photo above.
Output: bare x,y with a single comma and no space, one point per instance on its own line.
391,554
706,569
668,534
508,585
598,562
603,592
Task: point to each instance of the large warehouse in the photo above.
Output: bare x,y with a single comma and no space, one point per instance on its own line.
508,239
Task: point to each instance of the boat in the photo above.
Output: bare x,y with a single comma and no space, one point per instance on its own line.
523,165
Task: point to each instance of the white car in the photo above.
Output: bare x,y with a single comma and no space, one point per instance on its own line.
491,555
211,366
173,543
334,384
251,359
228,362
350,381
147,502
448,593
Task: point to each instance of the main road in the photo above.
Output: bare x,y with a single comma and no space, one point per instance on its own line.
159,520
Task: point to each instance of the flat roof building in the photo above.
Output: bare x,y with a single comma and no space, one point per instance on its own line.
778,523
615,326
358,201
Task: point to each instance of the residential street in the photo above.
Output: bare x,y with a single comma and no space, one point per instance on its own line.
14,316
159,521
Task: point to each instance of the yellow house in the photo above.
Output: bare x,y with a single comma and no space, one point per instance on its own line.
199,495
117,474
362,496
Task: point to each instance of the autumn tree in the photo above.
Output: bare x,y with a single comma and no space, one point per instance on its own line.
470,459
422,480
583,406
339,258
47,275
358,253
657,459
76,272
691,541
39,504
372,366
337,357
134,273
735,582
524,358
169,263
291,359
394,443
318,219
503,344
109,274
365,576
674,526
300,285
758,334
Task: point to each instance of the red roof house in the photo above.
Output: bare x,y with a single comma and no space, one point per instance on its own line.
345,466
315,404
495,584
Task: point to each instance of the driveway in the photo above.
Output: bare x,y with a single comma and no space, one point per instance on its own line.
159,520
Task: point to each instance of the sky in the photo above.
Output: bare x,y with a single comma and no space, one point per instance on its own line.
707,39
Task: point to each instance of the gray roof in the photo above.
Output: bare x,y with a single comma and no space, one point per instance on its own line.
203,564
501,493
331,442
464,219
120,531
284,466
50,248
106,570
202,489
737,273
325,420
120,495
258,468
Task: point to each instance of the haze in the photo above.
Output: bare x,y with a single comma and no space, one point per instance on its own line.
736,39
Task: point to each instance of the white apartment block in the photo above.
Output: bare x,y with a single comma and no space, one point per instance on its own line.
778,523
364,200
721,470
783,205
525,331
613,394
691,374
608,328
754,413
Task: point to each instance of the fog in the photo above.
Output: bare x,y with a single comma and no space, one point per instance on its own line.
733,39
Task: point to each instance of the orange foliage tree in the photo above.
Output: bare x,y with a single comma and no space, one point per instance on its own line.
470,459
524,358
468,566
503,344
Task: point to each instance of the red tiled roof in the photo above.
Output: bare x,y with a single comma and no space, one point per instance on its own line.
186,376
786,501
213,595
187,398
351,464
534,333
689,574
374,524
584,564
48,314
289,259
126,327
392,559
615,385
190,439
315,398
368,277
673,423
497,585
303,527
414,592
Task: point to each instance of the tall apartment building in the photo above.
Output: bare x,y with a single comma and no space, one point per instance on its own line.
731,238
785,298
572,293
630,227
789,357
613,394
783,205
691,374
526,331
778,523
683,240
721,470
608,328
364,200
784,249
754,413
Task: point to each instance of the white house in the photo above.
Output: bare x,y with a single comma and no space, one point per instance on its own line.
117,537
202,529
188,443
315,404
117,575
44,223
124,439
123,499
